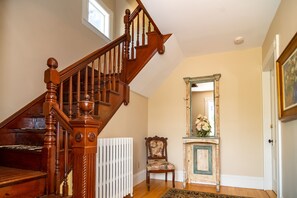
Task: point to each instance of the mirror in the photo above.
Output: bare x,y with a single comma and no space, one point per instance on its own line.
202,96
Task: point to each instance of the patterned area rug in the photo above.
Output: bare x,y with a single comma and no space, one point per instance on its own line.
178,193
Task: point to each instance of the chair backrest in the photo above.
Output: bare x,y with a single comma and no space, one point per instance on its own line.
156,147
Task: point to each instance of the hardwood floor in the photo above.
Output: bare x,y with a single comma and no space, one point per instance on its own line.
159,187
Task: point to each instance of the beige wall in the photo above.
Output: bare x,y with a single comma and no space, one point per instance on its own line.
131,121
241,109
31,32
285,25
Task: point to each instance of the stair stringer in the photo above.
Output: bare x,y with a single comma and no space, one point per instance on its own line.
145,53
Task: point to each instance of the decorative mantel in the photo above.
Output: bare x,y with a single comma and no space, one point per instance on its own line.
202,154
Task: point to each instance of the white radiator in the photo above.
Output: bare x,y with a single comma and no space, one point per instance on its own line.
114,175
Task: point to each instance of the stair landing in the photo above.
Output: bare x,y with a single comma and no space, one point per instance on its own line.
21,183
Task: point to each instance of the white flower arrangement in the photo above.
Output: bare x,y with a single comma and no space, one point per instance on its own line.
202,126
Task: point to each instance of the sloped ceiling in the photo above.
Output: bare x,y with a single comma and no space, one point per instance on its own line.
203,27
157,69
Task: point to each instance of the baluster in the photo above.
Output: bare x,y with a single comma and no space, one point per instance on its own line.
86,81
99,82
78,94
137,40
52,79
92,82
70,97
122,58
61,96
104,79
65,182
149,26
109,70
132,41
57,171
119,61
143,28
114,69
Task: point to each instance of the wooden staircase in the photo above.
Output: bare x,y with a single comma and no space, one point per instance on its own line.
57,132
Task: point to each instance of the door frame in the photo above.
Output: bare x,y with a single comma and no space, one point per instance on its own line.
268,65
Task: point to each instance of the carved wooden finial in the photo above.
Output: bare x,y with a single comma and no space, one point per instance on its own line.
127,12
52,63
86,106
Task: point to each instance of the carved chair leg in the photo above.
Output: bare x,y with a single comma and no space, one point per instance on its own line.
166,176
148,180
173,179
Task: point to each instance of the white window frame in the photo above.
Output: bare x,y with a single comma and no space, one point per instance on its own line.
108,34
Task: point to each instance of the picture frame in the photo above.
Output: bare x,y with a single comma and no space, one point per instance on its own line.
286,68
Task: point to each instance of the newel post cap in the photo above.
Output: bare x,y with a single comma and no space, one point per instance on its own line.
85,119
51,75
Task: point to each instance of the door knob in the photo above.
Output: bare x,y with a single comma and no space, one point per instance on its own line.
270,141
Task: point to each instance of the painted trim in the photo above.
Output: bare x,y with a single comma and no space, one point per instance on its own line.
85,21
226,180
195,160
242,181
278,128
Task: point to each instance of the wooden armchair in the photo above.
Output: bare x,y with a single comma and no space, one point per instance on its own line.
156,149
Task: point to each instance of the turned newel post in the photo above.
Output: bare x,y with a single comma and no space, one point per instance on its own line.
85,132
52,79
126,45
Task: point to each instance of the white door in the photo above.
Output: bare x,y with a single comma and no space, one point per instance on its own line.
273,140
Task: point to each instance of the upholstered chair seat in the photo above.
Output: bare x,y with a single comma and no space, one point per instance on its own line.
159,164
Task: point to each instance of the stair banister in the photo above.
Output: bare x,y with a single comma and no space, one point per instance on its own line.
79,65
52,79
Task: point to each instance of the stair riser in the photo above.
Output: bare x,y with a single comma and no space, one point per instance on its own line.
29,160
29,189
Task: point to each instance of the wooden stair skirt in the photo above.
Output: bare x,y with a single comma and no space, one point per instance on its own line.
21,183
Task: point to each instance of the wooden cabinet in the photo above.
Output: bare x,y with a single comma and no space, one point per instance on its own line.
201,161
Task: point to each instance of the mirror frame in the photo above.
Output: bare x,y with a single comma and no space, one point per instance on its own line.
193,80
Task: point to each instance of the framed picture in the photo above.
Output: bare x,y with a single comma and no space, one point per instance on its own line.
286,67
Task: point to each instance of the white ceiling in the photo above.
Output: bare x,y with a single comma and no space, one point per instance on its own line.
210,26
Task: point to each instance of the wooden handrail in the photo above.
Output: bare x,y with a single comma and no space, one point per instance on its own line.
134,14
62,118
79,65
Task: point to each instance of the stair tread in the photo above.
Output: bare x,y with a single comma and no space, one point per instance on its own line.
35,130
10,176
20,147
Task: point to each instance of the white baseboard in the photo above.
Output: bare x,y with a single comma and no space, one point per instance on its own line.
242,181
226,180
138,177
